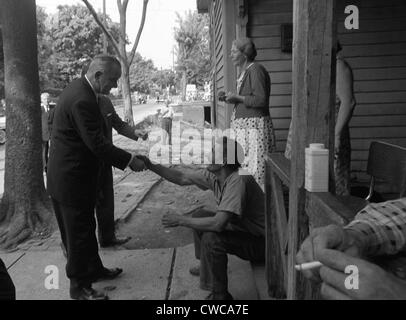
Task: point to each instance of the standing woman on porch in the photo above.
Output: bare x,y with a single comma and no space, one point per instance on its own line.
251,119
345,103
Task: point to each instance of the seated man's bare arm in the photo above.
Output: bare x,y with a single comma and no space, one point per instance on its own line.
181,178
216,223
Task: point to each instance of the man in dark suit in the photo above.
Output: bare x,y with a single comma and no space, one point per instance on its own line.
105,197
78,147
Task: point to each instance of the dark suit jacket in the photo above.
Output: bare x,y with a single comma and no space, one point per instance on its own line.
113,120
256,87
78,146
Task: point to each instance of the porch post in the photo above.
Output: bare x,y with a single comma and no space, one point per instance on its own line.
229,34
313,98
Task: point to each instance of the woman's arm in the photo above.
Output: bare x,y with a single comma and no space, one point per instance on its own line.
346,95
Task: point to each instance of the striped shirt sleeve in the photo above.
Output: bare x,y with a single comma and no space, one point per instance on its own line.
381,227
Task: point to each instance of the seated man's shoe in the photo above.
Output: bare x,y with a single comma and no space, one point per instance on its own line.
116,241
195,271
219,296
108,274
87,294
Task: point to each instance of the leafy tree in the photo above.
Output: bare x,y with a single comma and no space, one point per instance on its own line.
46,62
74,38
164,78
25,209
193,49
120,49
141,74
44,51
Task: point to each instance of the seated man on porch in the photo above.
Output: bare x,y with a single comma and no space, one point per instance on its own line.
378,234
237,227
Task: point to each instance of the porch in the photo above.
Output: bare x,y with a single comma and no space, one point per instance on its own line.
302,71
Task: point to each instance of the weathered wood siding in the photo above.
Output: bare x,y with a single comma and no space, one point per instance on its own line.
264,27
222,13
377,54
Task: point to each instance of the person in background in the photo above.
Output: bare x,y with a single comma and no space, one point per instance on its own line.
237,226
376,238
167,117
251,119
45,128
51,113
345,104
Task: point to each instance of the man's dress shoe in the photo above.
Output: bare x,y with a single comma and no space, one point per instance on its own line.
108,274
114,242
87,294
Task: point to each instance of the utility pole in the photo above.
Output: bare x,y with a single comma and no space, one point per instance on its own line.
173,58
105,23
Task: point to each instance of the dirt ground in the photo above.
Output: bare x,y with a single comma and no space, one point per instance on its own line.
144,225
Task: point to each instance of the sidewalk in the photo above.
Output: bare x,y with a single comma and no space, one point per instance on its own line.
150,274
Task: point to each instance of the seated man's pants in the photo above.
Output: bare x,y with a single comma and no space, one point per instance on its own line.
7,289
211,248
78,226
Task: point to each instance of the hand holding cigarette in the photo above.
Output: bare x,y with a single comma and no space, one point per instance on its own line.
308,265
320,239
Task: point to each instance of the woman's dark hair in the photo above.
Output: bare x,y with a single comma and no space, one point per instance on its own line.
247,47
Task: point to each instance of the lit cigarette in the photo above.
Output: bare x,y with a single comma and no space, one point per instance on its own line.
308,265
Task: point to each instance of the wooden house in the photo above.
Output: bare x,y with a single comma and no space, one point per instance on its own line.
376,52
303,91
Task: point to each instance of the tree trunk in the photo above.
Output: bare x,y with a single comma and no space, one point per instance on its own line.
120,49
125,66
184,84
126,92
25,209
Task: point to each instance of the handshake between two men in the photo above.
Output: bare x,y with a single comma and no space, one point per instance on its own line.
140,163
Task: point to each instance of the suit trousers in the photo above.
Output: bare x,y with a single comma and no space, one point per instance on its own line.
167,127
105,206
7,289
211,248
78,226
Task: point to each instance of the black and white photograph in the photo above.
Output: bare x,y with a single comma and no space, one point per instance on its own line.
181,151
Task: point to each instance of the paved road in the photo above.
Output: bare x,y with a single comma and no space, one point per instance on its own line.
140,111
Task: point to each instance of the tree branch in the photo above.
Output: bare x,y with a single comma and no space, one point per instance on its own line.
125,4
103,27
137,39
